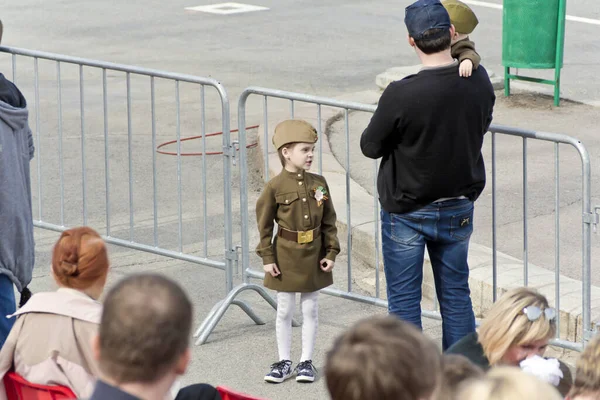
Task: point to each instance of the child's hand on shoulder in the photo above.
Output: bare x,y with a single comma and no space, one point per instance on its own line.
466,68
272,269
327,265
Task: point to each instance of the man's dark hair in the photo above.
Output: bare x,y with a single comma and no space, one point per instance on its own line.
145,328
434,41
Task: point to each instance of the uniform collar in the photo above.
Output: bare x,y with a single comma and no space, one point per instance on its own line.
294,175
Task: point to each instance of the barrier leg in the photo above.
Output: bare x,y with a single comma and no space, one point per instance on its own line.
248,310
211,321
210,315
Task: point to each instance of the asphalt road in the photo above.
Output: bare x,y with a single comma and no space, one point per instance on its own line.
311,46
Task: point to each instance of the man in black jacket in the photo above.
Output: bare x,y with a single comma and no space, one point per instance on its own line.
428,130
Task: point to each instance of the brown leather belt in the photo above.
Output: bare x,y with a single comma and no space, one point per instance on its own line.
299,236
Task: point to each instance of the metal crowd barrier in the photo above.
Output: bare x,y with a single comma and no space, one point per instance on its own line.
226,260
51,167
588,217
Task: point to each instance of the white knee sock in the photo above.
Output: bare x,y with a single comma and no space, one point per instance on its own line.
310,314
286,302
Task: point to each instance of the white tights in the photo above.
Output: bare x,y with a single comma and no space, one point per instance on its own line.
286,303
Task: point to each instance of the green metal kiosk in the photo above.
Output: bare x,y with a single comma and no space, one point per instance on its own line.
533,37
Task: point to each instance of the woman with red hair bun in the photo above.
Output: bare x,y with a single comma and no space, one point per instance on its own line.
50,342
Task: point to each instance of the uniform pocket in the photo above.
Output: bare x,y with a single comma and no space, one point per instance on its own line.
461,225
286,198
405,229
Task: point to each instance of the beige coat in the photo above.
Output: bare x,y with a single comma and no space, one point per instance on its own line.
50,343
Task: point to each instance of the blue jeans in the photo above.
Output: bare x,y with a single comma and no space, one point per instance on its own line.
7,307
445,229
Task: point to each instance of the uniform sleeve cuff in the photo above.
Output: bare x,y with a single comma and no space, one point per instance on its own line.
331,255
268,260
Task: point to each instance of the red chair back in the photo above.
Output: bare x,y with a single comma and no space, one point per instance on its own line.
18,388
228,394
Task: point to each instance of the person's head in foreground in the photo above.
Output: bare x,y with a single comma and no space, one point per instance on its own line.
386,359
456,370
80,261
429,29
143,340
587,375
518,326
507,383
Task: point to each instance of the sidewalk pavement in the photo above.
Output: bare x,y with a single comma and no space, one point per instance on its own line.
238,353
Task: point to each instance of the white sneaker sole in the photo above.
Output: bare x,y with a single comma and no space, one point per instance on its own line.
305,379
272,379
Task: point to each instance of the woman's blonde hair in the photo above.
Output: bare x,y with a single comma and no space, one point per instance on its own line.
506,324
587,376
507,383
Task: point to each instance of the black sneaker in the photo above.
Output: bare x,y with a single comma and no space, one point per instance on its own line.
280,371
306,371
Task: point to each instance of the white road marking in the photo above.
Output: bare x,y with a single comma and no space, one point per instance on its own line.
227,8
499,7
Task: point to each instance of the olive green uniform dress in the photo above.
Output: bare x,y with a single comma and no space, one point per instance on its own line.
289,200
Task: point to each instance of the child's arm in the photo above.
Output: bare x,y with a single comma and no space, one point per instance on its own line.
266,209
471,55
468,58
329,232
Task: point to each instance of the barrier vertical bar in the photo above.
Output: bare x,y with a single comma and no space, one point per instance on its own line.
60,144
494,231
266,139
227,156
557,239
130,155
38,129
525,223
244,186
205,202
348,203
106,149
14,68
586,248
320,136
154,177
179,200
292,109
82,117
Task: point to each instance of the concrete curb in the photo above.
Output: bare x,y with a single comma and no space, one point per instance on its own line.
396,73
509,269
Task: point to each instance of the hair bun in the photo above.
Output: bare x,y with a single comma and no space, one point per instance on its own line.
69,269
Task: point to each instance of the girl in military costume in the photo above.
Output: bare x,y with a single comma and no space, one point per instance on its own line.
301,255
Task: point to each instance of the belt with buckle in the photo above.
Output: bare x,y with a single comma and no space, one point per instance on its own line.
299,236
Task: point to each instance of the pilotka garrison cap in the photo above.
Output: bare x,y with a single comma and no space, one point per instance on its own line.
294,131
461,16
424,15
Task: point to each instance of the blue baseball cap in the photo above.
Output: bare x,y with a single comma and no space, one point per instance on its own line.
424,15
